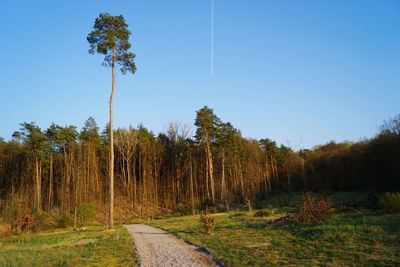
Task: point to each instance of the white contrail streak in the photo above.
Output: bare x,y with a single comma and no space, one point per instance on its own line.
212,38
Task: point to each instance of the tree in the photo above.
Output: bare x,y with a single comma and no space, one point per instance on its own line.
59,170
391,126
53,135
110,37
126,141
227,141
35,140
67,138
270,169
89,138
206,123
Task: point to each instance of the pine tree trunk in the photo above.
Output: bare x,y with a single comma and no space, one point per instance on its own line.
223,176
268,174
191,184
128,171
241,180
134,185
210,170
50,200
207,176
76,202
111,165
37,182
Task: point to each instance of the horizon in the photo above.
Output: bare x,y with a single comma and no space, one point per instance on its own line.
302,74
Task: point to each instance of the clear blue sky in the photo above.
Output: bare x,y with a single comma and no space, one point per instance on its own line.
303,72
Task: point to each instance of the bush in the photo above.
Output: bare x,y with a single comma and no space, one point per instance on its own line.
12,213
63,219
87,213
265,213
5,229
26,222
390,202
313,208
207,221
183,210
44,220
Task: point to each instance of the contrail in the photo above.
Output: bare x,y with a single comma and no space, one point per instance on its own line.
212,38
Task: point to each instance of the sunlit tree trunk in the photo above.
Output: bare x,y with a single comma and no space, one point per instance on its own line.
223,176
191,184
267,175
241,179
111,165
50,199
38,183
76,202
210,168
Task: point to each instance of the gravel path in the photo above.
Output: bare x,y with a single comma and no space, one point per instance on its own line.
157,247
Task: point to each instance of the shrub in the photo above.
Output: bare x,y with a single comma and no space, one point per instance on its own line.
313,208
63,219
207,221
5,228
12,213
390,202
87,213
265,213
26,222
183,210
44,220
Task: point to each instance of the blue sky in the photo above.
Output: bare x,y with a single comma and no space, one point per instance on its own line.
299,72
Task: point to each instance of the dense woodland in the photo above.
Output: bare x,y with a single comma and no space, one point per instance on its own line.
61,167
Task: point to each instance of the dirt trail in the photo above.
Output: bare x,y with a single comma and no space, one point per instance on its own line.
157,247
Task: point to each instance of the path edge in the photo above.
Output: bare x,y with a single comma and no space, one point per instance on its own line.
139,260
204,250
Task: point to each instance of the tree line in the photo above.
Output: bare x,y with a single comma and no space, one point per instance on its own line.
62,168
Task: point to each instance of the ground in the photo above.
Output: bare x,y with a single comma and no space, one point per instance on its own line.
358,237
156,247
239,239
95,246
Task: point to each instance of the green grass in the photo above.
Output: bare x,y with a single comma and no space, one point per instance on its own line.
95,246
239,239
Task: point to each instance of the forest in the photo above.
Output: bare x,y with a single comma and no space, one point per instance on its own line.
62,168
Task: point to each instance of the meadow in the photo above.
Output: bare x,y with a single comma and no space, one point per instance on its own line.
356,238
94,246
352,236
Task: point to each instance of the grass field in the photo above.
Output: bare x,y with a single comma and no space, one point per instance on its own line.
359,238
240,239
95,246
